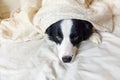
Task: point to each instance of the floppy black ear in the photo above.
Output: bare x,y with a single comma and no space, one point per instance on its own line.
88,29
49,30
52,28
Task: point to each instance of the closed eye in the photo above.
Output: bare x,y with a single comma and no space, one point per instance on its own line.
59,38
76,38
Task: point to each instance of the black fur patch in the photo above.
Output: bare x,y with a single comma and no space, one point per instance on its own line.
81,30
54,32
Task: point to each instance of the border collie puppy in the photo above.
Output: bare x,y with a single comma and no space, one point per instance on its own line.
68,34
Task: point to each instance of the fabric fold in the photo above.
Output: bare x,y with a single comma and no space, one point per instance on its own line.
99,13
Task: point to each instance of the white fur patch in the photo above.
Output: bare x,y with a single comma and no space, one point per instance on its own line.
66,26
66,48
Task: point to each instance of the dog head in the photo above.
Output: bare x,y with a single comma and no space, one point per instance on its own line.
68,34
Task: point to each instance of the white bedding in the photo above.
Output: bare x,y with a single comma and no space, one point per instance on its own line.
35,58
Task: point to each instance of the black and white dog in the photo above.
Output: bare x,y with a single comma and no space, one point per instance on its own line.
68,34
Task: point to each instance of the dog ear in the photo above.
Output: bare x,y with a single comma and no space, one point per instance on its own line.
49,30
84,28
88,30
52,28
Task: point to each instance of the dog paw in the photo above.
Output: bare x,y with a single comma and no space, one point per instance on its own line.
96,38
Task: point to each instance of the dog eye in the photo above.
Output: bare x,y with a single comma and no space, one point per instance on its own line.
76,38
59,38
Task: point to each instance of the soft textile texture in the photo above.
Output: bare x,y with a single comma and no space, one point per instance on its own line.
30,20
38,60
6,6
19,26
99,13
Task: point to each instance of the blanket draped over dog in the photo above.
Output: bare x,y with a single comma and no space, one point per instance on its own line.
30,20
23,20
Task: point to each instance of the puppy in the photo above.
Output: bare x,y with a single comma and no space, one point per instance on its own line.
68,34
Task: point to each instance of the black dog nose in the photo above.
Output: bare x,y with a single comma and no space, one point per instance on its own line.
66,59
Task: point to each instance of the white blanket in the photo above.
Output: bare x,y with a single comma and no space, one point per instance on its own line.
30,20
99,13
37,59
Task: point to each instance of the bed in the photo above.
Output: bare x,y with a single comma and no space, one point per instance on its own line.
26,55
